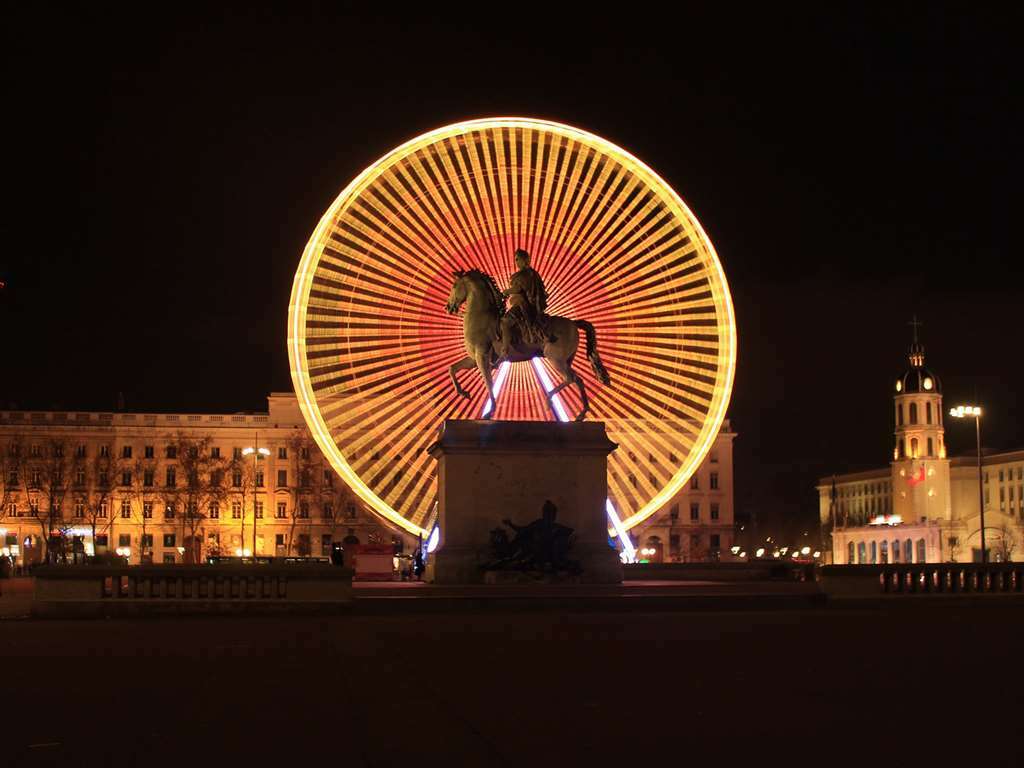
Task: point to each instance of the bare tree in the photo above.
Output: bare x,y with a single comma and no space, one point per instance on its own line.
142,494
47,482
93,489
201,483
1004,544
11,474
307,474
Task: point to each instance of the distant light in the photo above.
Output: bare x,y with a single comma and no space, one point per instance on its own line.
743,554
805,551
735,549
759,552
247,451
435,537
817,555
899,385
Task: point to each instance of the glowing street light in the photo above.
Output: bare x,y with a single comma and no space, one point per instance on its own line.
257,453
759,552
967,412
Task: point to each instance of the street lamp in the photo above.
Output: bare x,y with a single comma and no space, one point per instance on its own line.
966,412
256,453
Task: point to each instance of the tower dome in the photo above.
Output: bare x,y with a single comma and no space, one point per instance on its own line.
917,379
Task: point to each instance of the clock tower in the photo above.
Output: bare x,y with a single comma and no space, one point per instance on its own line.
920,469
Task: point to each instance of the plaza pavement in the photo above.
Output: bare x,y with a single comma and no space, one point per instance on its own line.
909,683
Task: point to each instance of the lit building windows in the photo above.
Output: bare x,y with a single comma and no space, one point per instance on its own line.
921,552
236,510
913,413
695,511
281,510
714,481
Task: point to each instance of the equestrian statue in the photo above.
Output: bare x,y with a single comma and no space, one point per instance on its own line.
523,331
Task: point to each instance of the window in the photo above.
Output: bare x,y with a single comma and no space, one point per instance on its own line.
259,509
862,555
169,512
304,452
236,453
281,509
282,452
885,552
303,547
715,541
1001,477
236,479
328,478
899,415
101,540
214,510
168,539
148,451
146,540
58,450
694,483
350,510
304,509
168,558
325,544
279,540
673,512
928,413
147,477
79,451
104,451
103,509
896,551
328,511
126,452
931,447
922,556
236,510
79,509
79,476
259,478
36,478
104,480
282,478
172,477
913,413
874,553
713,457
850,554
908,551
124,540
695,511
172,451
714,481
126,477
714,511
35,452
147,509
126,509
192,510
215,452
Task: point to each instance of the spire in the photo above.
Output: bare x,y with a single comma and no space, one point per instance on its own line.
916,348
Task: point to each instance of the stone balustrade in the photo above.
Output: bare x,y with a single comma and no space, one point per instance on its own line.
923,578
93,590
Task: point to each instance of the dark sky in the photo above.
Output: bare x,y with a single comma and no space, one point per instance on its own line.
163,173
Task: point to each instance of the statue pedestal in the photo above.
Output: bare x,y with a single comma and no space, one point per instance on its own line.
491,470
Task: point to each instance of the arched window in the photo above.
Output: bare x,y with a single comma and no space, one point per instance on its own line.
885,552
899,414
931,447
896,551
850,553
908,551
862,556
921,553
913,413
913,447
928,412
874,552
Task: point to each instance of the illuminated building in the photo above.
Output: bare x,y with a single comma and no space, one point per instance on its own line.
924,506
300,506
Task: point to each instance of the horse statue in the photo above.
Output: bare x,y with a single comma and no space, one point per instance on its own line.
486,349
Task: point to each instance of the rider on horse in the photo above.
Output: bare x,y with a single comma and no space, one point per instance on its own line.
525,322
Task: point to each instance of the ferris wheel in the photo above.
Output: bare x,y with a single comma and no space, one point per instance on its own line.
370,343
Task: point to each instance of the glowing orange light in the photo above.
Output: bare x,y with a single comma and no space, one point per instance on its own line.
369,343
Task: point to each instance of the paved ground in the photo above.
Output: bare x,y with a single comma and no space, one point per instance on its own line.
900,685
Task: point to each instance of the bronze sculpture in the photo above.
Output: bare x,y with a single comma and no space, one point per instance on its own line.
494,335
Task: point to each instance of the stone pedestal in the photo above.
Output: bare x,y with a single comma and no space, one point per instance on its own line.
490,470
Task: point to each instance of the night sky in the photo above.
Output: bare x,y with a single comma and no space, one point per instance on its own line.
164,172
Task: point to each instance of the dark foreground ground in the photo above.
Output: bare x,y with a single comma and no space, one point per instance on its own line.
900,685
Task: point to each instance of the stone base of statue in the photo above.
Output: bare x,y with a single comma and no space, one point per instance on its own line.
490,471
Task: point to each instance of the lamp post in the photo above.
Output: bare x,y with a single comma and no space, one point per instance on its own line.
964,412
256,452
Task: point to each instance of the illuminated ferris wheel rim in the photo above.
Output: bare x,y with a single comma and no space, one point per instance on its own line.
313,251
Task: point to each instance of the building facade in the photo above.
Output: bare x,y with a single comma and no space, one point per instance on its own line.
174,487
924,507
698,524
